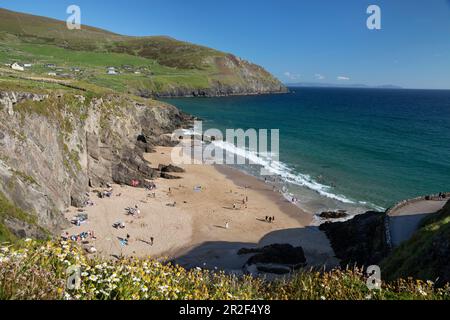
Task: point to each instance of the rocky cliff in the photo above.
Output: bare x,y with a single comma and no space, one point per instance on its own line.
361,241
54,146
234,77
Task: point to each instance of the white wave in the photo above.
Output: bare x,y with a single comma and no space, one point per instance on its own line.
281,170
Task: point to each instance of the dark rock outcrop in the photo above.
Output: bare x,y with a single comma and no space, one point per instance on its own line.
275,258
333,215
170,168
360,241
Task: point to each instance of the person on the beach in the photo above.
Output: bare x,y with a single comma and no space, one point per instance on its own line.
151,241
227,225
273,219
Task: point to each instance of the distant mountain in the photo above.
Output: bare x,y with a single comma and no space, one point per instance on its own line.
337,85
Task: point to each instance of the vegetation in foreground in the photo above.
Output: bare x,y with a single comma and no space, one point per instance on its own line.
34,270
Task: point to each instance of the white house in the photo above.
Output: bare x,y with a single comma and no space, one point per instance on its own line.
18,67
112,71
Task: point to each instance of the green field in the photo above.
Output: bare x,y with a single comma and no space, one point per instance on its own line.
144,64
93,68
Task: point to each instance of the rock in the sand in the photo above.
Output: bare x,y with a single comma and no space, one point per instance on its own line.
276,258
333,214
170,168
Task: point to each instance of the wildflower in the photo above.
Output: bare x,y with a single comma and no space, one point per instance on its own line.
163,289
93,278
67,296
422,292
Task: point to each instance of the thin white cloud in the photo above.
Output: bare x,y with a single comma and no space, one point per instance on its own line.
342,78
319,76
291,76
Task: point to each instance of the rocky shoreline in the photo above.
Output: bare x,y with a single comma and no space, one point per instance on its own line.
212,92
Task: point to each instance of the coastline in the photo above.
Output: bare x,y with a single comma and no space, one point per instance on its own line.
193,232
224,95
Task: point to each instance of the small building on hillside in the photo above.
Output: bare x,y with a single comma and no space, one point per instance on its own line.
16,66
112,71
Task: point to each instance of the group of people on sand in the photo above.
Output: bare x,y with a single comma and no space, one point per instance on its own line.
133,211
79,237
243,204
150,186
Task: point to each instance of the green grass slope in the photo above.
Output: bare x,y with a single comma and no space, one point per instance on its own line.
145,65
427,255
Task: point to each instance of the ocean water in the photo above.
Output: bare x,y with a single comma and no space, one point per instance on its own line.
340,148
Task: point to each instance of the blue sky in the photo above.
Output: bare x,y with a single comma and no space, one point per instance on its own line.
296,40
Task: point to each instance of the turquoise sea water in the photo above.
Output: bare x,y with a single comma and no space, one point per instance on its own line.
346,148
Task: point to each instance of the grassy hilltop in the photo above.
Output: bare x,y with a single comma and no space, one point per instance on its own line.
145,65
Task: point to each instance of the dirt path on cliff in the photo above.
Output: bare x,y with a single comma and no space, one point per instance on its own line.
405,221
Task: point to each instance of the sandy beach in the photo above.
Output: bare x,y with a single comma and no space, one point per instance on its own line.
193,231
